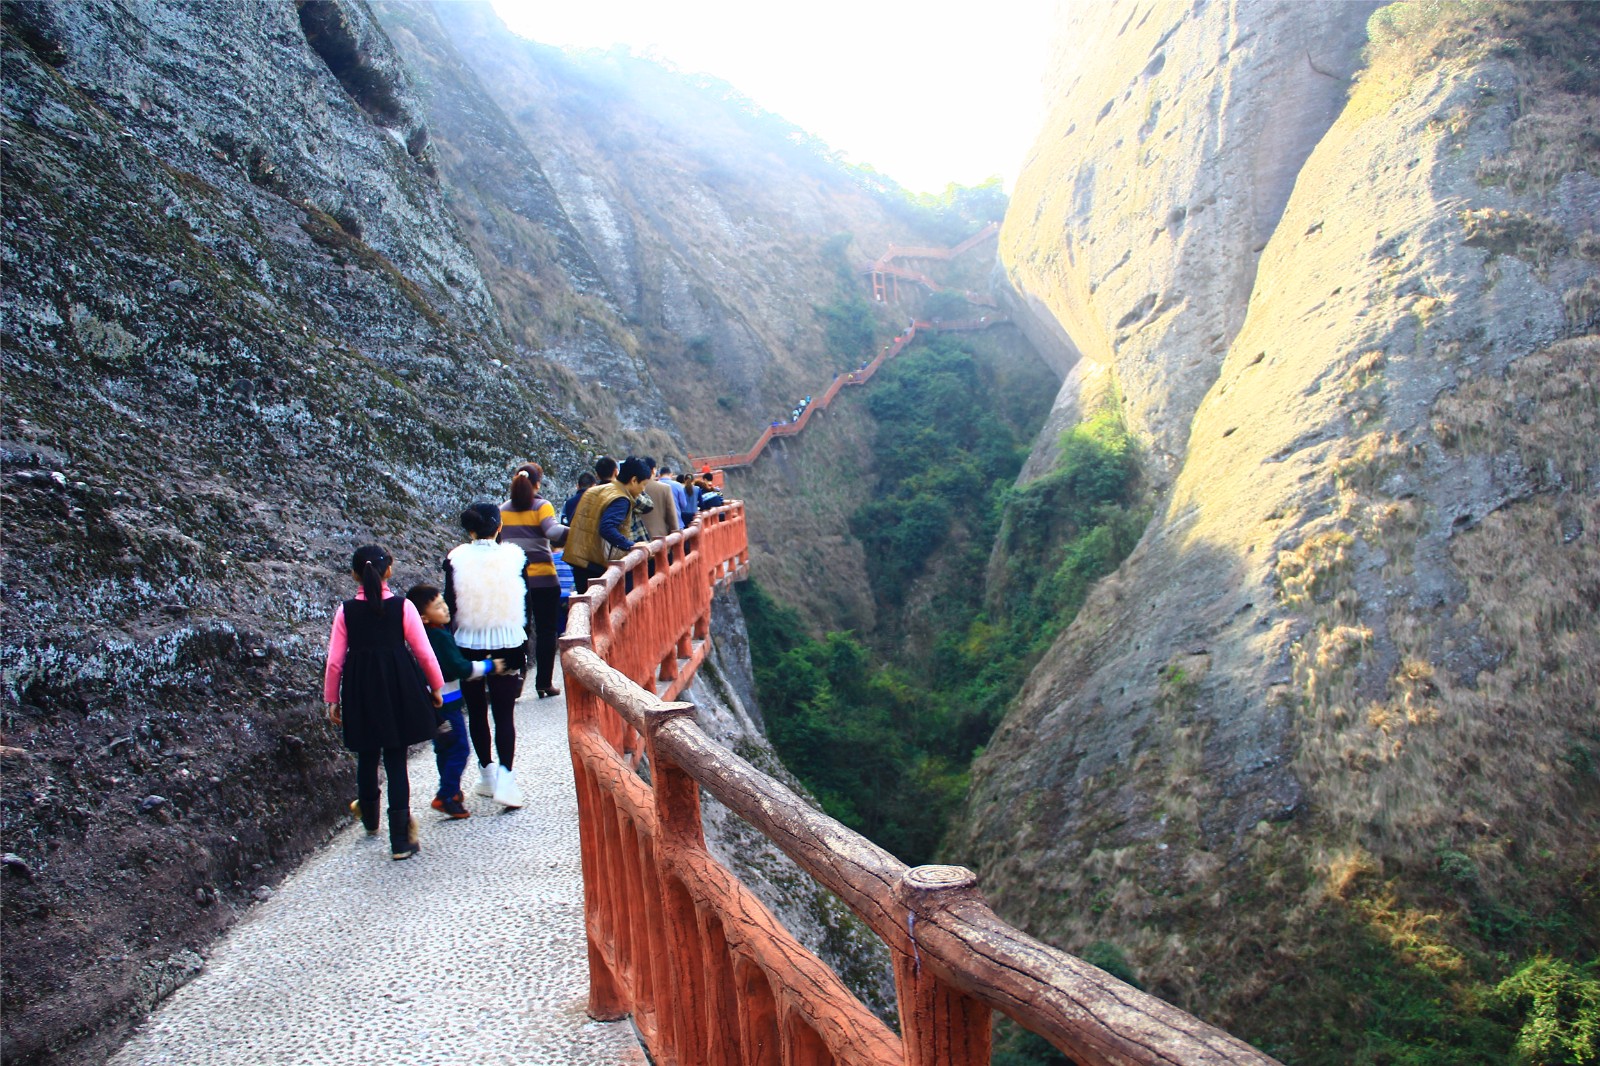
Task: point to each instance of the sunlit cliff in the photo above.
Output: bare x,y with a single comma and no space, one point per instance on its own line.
1324,746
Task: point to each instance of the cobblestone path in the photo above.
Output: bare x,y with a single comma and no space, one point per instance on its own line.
471,952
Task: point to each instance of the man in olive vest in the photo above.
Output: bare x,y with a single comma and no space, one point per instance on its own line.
599,531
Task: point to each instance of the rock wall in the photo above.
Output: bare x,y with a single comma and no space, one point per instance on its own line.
1361,628
238,319
1171,146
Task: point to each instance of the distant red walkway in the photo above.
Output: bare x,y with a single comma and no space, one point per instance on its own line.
886,276
855,377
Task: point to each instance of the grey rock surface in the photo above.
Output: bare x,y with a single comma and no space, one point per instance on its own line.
1361,618
237,324
1173,140
472,951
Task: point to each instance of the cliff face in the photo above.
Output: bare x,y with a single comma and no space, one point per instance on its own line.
238,319
1348,677
1164,165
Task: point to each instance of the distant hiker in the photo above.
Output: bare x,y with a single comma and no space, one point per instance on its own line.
601,523
450,750
709,496
378,659
691,497
529,521
662,517
484,589
679,498
585,483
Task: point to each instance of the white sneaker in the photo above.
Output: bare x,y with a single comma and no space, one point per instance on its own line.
486,780
506,792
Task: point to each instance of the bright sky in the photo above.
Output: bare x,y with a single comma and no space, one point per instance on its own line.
927,93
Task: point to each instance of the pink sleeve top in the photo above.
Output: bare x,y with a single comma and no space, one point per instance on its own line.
416,635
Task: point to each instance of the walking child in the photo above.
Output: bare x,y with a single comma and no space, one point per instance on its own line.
375,690
450,750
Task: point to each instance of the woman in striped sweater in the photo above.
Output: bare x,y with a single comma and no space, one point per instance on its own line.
529,521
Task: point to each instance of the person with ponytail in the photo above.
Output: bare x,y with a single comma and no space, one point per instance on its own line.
487,597
529,521
380,673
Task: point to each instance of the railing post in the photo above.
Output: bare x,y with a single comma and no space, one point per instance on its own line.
607,1000
679,833
939,1025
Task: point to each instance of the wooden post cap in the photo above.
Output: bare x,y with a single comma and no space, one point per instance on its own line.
923,888
659,715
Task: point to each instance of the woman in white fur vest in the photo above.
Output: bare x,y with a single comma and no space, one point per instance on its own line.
483,586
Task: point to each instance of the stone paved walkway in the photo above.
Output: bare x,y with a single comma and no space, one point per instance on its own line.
471,952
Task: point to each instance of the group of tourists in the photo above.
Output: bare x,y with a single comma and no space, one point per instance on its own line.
447,662
799,409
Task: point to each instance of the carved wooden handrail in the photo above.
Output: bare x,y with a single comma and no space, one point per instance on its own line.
708,973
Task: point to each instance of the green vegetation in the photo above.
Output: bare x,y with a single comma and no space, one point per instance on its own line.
1562,1020
1016,1046
856,734
850,327
947,306
1442,971
1062,532
949,217
884,736
960,210
945,453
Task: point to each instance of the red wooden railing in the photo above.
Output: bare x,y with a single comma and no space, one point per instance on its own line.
882,291
883,273
854,377
708,974
899,252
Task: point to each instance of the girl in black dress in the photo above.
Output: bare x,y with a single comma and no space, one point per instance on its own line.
375,691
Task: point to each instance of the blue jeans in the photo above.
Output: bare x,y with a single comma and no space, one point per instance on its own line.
452,750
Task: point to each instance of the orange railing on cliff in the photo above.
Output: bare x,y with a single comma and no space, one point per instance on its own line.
855,377
706,971
884,275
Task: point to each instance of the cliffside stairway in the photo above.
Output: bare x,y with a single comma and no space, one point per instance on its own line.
885,276
860,376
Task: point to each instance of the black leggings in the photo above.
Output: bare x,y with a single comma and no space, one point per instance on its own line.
394,768
497,692
544,614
